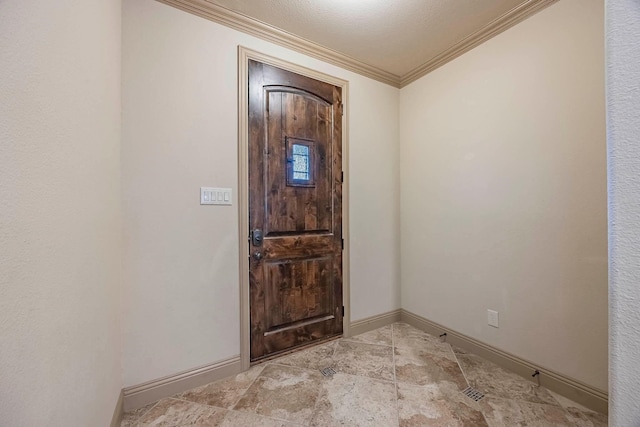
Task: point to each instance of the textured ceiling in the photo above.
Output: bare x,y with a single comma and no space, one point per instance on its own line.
395,36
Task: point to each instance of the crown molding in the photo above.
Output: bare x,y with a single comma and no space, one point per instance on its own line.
227,17
495,27
237,21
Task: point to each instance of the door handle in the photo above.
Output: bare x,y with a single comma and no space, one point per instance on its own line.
257,255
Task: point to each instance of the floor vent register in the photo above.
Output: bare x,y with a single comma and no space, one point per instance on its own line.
328,372
473,393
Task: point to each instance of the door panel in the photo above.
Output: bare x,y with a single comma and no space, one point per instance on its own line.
297,291
295,205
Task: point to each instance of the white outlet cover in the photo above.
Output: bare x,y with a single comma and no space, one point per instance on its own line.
492,318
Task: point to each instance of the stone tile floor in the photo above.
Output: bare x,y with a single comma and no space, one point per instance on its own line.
393,376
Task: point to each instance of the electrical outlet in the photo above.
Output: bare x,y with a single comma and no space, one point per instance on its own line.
492,318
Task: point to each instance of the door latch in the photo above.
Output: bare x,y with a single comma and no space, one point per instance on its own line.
256,237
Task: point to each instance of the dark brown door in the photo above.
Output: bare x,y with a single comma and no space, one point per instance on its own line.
295,210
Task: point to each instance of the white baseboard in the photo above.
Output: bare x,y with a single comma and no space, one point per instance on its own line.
116,419
573,389
142,394
374,322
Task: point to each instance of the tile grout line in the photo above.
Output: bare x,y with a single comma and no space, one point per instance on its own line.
179,395
455,356
315,404
138,418
468,384
351,339
395,378
335,348
270,362
496,397
248,387
269,417
195,403
578,406
232,409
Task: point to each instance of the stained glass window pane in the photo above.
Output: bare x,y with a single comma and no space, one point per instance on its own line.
301,170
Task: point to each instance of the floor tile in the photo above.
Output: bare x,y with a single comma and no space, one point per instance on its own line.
510,413
246,419
457,350
580,415
492,380
173,412
283,392
130,418
568,403
437,405
390,377
587,418
316,357
369,360
406,336
224,393
421,367
380,336
348,400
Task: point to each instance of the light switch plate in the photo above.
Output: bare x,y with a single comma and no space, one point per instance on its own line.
215,196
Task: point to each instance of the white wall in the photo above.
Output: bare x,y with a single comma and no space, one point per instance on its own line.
623,129
60,225
503,195
181,306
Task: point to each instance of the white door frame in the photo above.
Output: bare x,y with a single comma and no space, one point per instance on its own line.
244,55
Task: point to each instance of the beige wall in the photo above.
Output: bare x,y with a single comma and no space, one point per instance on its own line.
181,307
503,195
60,226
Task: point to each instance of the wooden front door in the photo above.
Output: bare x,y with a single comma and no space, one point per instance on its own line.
295,210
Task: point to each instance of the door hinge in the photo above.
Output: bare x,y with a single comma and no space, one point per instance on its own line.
343,311
342,242
341,176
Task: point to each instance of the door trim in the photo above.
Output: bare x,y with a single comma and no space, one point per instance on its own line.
244,55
